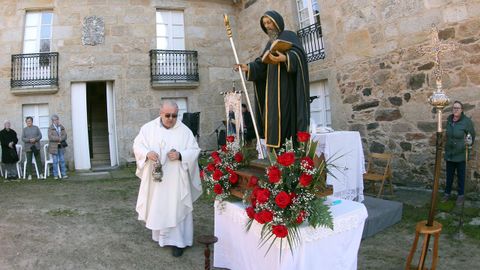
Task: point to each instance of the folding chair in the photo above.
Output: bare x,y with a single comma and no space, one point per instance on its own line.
379,170
49,160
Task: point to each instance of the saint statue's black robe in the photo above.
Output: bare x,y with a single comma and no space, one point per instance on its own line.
282,90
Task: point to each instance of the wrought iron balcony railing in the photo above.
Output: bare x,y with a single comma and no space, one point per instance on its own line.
312,41
173,66
34,70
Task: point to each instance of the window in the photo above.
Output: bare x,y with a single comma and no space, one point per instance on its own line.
320,110
38,32
41,117
182,106
310,33
308,12
170,30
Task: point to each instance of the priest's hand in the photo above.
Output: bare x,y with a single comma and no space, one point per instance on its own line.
277,57
244,67
152,156
173,155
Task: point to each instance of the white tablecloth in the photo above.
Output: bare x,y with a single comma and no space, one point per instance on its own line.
319,248
345,151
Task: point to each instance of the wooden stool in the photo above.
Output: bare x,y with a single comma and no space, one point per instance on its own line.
207,240
422,228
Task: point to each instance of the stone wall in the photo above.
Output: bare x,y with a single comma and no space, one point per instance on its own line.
379,84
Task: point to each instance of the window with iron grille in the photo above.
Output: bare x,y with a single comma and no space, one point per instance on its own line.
170,62
37,65
310,32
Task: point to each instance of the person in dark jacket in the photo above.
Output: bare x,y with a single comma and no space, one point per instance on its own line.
458,128
8,139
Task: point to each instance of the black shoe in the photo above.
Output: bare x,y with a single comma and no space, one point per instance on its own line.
177,252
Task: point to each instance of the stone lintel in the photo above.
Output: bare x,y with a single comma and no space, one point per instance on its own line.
39,90
175,85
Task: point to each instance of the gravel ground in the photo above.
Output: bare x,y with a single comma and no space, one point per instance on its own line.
77,224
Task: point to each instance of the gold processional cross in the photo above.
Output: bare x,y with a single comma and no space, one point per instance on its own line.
436,49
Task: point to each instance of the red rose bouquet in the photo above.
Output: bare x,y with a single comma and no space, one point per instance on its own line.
219,175
287,196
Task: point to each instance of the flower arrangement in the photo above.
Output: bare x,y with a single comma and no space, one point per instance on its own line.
219,175
287,196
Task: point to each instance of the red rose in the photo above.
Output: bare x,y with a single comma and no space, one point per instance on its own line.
263,195
230,138
303,136
252,182
211,167
238,157
263,216
214,154
274,174
305,179
202,174
229,170
250,212
292,195
280,231
217,175
307,163
224,148
282,199
286,159
255,191
233,178
300,217
217,160
217,188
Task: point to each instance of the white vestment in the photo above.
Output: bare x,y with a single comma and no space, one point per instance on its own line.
166,207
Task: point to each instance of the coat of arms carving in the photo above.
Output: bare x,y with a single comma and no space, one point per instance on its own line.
93,30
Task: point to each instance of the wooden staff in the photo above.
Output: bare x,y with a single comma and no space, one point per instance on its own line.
229,34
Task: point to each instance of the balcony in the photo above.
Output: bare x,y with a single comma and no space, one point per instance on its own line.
312,41
174,69
34,73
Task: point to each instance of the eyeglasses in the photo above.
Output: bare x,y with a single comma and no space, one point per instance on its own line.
457,108
171,115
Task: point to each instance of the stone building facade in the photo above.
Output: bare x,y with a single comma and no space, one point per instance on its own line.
114,75
377,83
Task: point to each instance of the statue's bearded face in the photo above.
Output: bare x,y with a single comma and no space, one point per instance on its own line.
272,30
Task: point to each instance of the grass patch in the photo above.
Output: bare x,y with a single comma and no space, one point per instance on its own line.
63,212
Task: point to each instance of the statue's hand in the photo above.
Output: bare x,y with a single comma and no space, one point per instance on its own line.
277,57
244,67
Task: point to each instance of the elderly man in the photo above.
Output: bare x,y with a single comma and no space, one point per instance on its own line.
281,85
166,204
57,137
31,137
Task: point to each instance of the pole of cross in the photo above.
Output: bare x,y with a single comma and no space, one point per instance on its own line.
240,72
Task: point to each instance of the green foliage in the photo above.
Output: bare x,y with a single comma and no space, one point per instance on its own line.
320,215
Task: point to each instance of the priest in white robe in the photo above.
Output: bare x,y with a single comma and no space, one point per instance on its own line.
166,206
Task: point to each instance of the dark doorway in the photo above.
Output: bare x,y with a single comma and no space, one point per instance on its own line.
98,124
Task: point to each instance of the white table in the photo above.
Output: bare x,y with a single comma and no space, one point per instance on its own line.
319,248
345,151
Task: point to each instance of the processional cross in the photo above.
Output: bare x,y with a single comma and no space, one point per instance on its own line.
439,100
437,48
